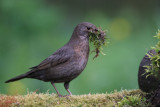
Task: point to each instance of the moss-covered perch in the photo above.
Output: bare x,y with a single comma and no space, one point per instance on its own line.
133,98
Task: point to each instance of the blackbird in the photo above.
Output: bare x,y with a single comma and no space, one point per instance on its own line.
67,62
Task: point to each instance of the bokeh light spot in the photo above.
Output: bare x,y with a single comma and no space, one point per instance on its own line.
120,28
16,88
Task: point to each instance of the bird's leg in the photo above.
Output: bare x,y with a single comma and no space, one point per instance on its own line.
56,89
66,85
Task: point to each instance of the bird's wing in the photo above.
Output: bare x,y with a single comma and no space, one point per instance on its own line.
60,56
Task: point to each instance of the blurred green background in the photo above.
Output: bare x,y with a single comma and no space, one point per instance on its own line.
31,30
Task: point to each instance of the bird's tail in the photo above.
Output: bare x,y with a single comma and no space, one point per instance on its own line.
16,78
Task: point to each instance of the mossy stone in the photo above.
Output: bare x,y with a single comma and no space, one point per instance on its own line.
147,83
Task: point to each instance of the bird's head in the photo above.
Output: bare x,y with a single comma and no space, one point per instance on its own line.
85,32
82,30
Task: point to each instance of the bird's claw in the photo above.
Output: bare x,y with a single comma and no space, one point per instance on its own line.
63,96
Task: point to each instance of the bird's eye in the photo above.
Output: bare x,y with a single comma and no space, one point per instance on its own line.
96,30
88,28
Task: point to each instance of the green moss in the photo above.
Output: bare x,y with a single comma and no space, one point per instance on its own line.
98,38
49,100
134,101
154,68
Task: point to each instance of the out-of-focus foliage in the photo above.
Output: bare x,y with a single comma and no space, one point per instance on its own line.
31,30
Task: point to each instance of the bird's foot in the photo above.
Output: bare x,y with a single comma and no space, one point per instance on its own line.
59,95
67,95
63,96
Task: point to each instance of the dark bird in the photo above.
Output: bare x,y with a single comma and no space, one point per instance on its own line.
67,62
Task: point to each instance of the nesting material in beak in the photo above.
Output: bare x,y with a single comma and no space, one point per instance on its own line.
98,37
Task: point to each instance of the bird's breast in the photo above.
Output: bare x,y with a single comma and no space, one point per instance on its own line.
81,54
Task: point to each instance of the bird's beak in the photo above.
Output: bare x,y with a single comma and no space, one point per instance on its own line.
90,30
